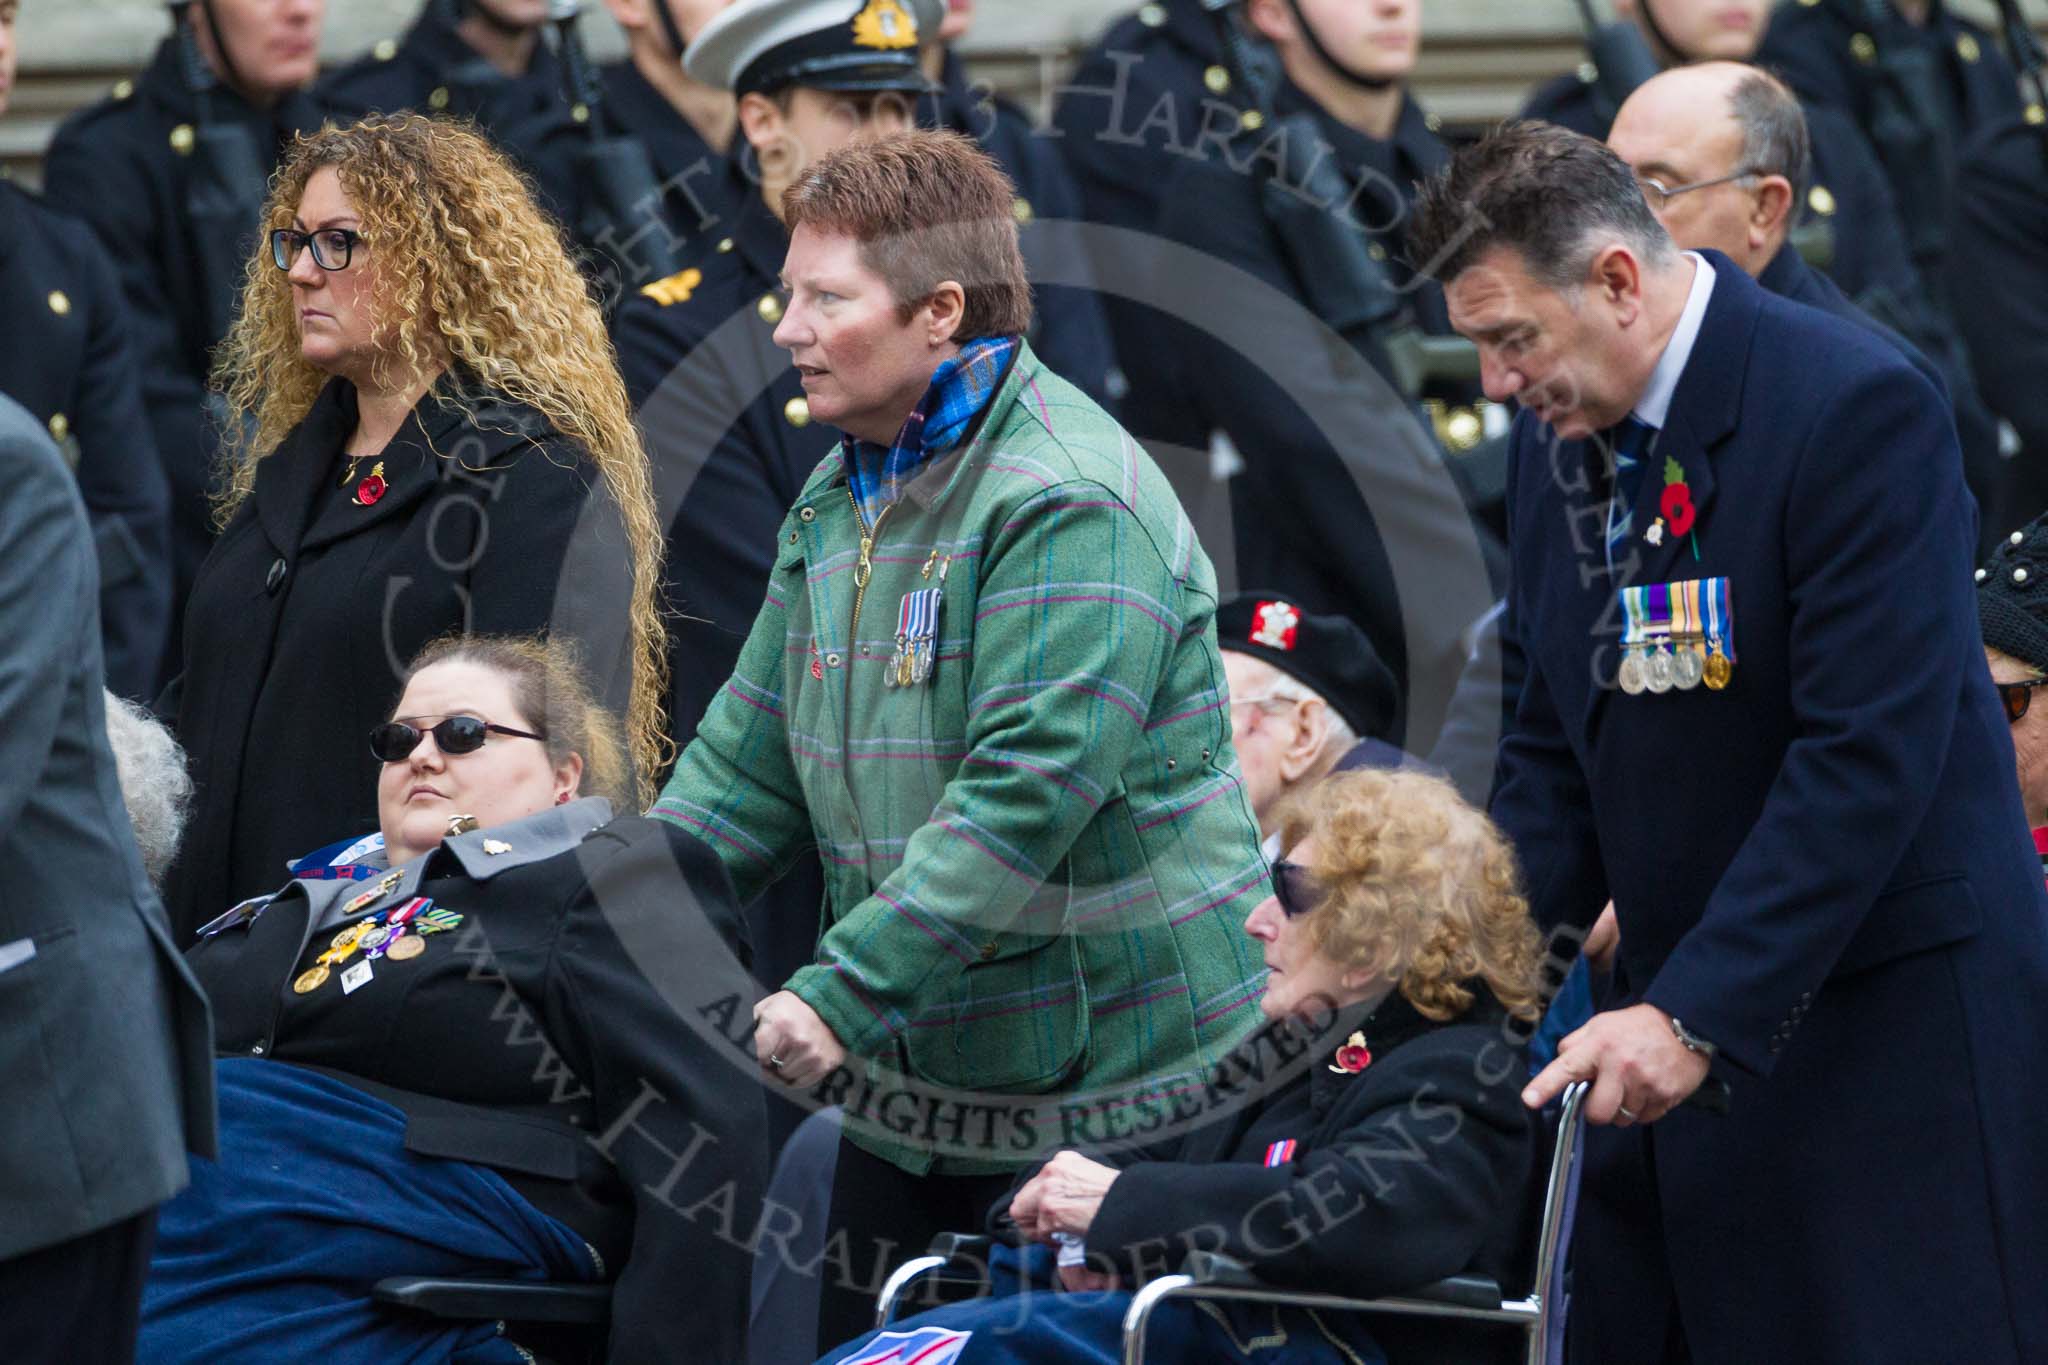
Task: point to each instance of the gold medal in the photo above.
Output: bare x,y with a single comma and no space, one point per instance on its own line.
345,942
1720,670
311,979
405,946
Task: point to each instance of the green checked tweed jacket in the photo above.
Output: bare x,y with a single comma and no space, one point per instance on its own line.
1039,862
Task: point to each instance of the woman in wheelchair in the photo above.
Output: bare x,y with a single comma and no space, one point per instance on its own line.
488,1057
1385,1147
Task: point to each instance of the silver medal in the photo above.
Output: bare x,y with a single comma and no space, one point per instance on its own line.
1631,675
1687,669
1657,673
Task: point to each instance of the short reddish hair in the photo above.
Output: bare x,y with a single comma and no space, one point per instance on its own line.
925,206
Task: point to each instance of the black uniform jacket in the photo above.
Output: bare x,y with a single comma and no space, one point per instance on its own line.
67,359
1069,330
310,605
1340,483
1419,1167
700,196
1998,276
558,1035
733,443
129,167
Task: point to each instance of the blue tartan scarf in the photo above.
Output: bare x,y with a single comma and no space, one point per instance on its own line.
960,389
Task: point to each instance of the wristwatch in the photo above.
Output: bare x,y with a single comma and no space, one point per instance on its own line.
1692,1041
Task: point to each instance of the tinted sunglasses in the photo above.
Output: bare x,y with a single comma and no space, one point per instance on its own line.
394,740
1291,887
2018,696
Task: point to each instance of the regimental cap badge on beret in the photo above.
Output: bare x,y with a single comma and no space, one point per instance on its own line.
885,26
1274,624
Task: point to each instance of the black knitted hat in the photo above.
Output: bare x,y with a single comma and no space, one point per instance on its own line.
2012,595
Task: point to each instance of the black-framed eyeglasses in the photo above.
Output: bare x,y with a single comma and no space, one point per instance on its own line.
1657,194
1292,888
394,741
333,248
2016,697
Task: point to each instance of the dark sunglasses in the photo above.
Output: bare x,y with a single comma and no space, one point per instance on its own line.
394,741
2018,696
1292,889
332,248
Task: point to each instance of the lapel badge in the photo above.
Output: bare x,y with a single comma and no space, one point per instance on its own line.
1353,1057
460,824
496,846
1655,535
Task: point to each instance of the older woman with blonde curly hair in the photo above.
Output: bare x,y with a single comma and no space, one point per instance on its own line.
429,434
1369,1139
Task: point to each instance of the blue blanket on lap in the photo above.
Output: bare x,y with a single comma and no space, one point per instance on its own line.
270,1253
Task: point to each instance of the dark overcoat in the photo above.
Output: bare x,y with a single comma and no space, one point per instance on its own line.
1823,869
310,606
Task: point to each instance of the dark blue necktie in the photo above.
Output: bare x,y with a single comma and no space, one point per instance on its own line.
1630,440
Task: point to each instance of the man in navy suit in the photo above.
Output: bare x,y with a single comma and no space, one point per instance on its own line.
1757,719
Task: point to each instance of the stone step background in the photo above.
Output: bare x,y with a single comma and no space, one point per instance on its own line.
1479,56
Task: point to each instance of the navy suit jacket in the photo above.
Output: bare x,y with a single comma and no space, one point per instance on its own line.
1758,840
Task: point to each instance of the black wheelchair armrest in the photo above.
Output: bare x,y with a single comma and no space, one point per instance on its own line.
506,1300
1225,1272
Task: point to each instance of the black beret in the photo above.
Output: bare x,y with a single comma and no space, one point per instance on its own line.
1329,654
2012,595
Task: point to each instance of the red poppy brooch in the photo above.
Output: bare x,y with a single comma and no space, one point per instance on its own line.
372,487
1353,1057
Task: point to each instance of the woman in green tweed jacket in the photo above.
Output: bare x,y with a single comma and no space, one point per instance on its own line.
985,683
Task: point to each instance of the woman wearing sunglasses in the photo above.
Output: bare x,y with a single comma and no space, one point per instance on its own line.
487,1052
2012,611
428,433
1381,1147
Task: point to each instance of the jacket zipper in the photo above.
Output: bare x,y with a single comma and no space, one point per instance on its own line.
864,569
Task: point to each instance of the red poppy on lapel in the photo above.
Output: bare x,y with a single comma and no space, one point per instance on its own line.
1353,1057
372,487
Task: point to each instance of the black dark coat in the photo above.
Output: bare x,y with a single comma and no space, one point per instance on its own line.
700,197
566,1034
67,359
309,607
1998,274
1334,487
1354,1210
127,166
1069,331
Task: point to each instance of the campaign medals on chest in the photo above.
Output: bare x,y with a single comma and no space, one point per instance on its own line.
1678,635
396,933
917,628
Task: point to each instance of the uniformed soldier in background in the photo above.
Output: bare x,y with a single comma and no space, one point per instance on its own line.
1299,525
65,357
1916,79
1071,333
170,172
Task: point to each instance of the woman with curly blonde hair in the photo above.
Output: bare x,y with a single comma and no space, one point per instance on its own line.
1368,1140
428,434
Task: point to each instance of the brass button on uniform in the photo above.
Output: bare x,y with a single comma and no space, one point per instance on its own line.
807,514
1217,79
770,309
797,412
437,98
1376,251
60,302
1152,16
1863,48
60,427
1022,211
724,245
579,112
1821,200
385,50
1966,47
123,89
181,139
1433,122
2036,115
1463,428
1252,120
988,951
